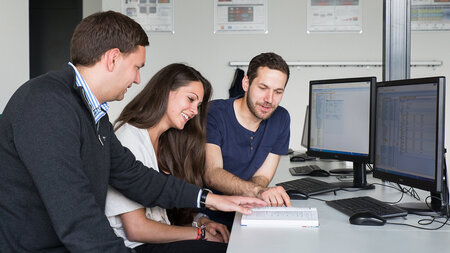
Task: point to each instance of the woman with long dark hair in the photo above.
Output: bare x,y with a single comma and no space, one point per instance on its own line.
164,126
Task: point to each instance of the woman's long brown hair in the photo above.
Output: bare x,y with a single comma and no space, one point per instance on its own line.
181,152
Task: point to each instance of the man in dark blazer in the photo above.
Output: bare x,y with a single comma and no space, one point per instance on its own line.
58,151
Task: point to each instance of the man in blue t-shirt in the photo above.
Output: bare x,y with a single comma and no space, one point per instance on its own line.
246,135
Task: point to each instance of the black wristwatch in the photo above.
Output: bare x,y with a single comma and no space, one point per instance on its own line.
205,193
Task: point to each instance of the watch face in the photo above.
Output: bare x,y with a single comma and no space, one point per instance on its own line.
203,197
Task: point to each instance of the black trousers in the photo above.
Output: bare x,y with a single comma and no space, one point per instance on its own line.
193,246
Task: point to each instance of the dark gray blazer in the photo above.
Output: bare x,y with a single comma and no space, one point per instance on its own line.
55,166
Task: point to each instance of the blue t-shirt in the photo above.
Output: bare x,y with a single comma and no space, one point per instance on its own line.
244,151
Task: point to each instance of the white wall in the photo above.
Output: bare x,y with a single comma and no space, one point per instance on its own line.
91,7
195,43
14,42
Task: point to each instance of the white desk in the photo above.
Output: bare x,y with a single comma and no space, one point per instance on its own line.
335,233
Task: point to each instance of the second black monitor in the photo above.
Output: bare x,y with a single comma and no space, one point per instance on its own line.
341,122
409,137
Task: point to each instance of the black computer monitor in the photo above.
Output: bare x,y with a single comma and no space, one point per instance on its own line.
409,136
305,129
341,125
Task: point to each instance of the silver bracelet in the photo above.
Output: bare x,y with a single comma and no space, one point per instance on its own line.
197,217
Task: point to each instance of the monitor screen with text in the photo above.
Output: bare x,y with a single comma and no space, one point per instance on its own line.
340,118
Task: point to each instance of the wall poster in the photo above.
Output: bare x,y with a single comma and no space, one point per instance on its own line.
334,16
152,15
430,15
240,16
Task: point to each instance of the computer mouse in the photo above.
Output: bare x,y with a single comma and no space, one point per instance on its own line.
293,194
367,219
319,173
295,158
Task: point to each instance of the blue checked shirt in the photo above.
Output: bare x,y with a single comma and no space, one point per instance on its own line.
98,110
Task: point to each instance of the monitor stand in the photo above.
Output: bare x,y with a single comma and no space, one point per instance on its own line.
345,171
342,171
359,178
436,207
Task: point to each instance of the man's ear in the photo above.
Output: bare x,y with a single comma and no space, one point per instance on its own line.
111,57
245,83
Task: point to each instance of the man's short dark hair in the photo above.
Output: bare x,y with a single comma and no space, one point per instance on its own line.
270,60
102,31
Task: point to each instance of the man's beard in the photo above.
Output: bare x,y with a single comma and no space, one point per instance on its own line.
252,107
